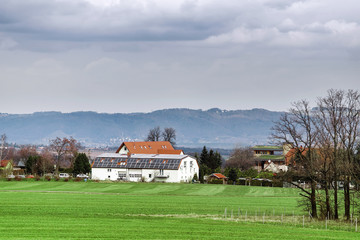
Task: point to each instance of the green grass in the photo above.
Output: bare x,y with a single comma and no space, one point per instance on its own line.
78,210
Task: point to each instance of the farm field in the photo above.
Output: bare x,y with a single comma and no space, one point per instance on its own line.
79,210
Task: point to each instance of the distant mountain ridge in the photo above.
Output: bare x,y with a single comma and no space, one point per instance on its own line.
194,128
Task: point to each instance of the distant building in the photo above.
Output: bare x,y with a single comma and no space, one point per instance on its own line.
217,176
271,158
6,167
145,161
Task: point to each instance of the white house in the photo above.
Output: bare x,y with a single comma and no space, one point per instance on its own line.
145,167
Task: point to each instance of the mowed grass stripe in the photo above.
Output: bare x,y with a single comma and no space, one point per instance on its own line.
155,228
140,211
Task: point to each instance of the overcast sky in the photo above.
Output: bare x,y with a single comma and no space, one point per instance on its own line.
145,55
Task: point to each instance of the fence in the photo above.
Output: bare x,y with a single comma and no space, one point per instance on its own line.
304,221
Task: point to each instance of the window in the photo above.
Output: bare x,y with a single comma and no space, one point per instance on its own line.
191,164
109,170
149,175
184,164
161,171
135,175
122,175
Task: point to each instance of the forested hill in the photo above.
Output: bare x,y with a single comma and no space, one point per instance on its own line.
194,128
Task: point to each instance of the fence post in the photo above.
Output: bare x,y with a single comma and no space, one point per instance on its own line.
225,213
303,221
326,223
355,224
231,214
246,216
264,218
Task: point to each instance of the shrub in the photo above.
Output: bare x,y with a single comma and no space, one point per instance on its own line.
17,178
78,179
255,183
57,178
9,179
48,178
216,181
66,179
37,178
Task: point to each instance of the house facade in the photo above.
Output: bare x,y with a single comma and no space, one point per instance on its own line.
270,158
145,167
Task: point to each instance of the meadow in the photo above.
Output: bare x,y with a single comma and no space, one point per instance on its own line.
104,210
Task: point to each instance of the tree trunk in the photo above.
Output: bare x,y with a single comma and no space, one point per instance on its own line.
327,199
336,208
347,198
313,199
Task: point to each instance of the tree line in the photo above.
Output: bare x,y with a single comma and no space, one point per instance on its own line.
324,151
60,154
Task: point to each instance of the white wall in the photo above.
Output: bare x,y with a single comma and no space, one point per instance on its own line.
123,151
185,173
188,168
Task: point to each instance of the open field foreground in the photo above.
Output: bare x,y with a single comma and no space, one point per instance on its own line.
79,210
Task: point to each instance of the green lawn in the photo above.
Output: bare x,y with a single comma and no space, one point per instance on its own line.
78,210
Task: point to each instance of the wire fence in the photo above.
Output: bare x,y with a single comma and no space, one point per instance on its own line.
301,221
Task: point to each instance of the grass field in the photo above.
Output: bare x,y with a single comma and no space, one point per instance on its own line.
79,210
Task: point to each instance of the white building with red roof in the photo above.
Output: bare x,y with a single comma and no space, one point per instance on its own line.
145,161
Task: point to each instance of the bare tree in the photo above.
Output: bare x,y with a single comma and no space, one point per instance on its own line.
330,120
169,134
74,147
46,161
3,147
154,134
61,147
297,129
349,137
241,158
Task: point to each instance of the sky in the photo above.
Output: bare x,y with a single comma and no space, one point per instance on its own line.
145,55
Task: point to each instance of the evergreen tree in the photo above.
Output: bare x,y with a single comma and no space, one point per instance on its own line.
31,164
204,156
81,164
233,174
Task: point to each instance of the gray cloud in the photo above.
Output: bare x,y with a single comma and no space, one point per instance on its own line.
141,55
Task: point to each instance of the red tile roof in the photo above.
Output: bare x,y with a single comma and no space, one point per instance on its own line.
147,147
168,151
4,163
218,175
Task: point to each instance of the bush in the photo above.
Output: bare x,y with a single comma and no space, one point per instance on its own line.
66,179
48,178
216,181
57,178
37,178
256,183
17,178
9,179
78,179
